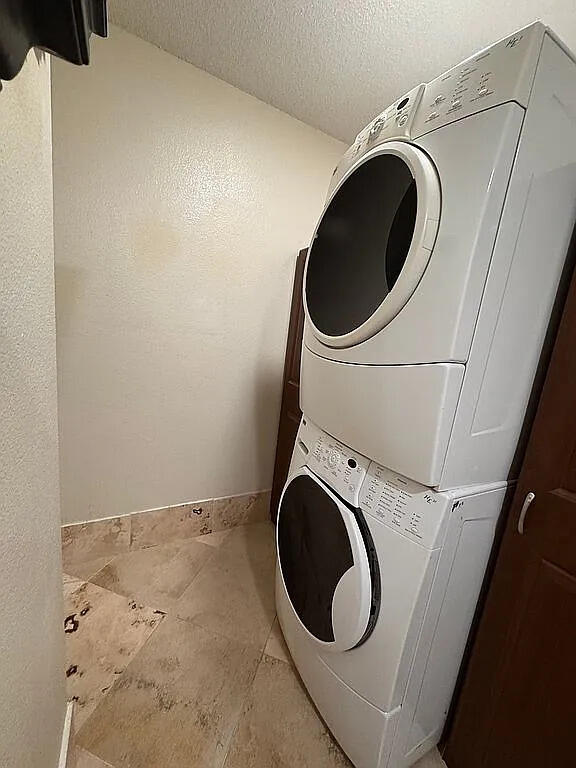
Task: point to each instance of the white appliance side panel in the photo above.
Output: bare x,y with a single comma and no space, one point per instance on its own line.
474,158
400,416
446,626
535,232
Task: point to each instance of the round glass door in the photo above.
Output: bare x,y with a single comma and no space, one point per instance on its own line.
372,244
327,562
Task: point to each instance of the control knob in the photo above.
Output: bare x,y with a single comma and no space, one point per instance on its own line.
333,458
376,128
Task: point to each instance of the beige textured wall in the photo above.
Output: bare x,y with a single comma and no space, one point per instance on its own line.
31,641
180,204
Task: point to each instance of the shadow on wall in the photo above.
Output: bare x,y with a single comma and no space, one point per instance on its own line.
266,405
70,283
268,386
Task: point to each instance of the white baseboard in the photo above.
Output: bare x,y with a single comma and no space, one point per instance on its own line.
67,744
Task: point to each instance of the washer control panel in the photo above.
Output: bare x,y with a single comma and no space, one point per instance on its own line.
501,73
342,468
413,510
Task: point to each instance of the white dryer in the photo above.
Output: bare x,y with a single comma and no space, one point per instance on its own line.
434,268
376,587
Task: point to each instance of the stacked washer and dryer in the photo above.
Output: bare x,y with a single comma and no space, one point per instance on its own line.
428,290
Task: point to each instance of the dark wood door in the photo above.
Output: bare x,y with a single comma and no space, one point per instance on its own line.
517,708
290,412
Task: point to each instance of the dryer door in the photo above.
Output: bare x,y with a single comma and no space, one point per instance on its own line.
372,244
327,563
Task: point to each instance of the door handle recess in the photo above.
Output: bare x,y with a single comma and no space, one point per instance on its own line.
527,501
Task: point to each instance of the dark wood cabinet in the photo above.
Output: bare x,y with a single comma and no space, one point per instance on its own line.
517,707
290,413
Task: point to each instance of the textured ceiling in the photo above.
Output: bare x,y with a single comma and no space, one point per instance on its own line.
332,64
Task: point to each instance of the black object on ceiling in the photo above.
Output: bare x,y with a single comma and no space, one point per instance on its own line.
61,27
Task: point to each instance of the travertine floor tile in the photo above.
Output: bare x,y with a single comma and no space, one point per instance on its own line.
234,593
161,526
103,632
214,539
89,541
69,585
231,511
86,760
279,726
276,645
155,576
259,510
177,703
85,570
254,543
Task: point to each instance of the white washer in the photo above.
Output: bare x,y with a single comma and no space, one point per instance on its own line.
433,271
376,586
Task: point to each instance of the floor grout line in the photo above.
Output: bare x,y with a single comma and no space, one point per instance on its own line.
270,633
92,754
244,700
216,633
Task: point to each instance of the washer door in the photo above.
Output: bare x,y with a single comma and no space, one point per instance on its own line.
327,563
372,244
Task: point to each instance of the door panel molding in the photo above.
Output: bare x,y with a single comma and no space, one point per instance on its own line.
516,707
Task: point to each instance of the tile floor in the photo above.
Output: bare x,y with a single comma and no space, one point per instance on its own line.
176,660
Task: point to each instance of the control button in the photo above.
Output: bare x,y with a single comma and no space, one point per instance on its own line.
433,115
456,103
439,99
376,129
352,463
402,120
333,459
402,104
482,91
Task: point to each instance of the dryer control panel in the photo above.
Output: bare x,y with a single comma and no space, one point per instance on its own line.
498,74
395,122
413,510
342,468
503,72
